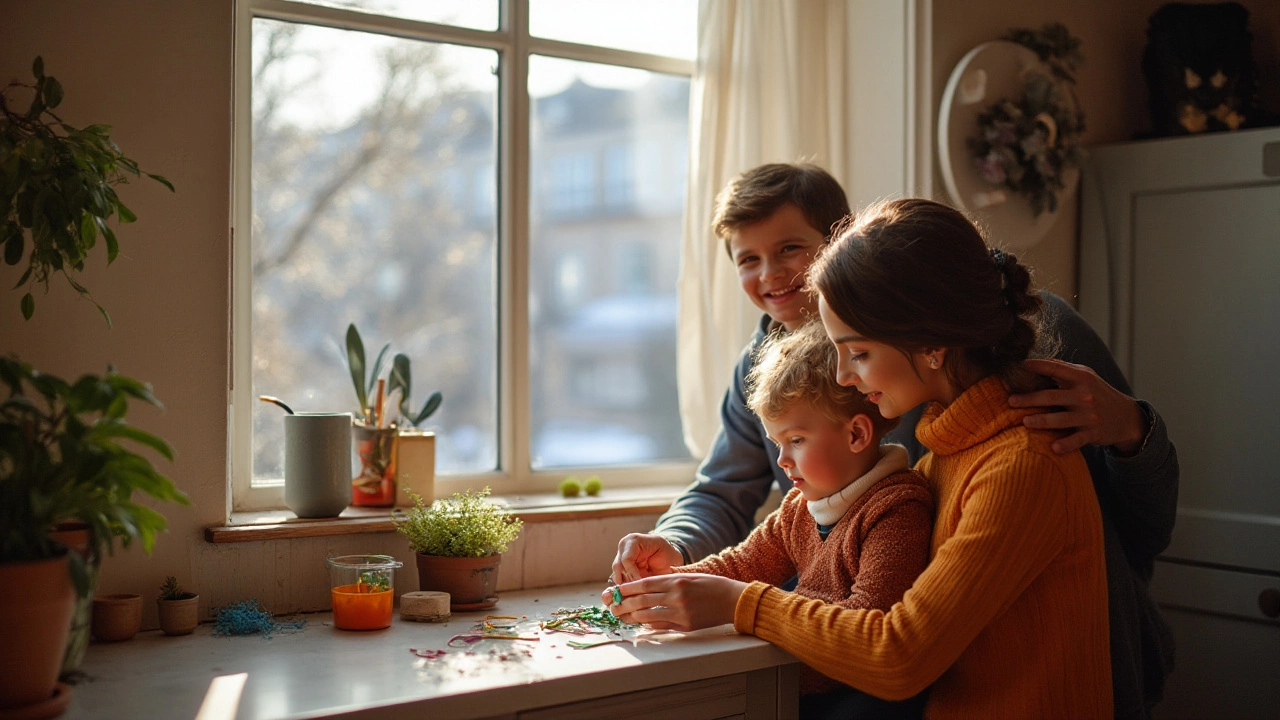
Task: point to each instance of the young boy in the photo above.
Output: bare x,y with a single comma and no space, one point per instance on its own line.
855,528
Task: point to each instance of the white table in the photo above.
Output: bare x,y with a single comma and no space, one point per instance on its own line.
324,672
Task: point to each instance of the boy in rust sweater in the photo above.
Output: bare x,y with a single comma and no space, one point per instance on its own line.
856,527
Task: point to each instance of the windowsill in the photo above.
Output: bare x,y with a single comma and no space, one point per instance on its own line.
531,508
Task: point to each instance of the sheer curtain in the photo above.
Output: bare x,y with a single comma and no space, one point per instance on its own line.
774,83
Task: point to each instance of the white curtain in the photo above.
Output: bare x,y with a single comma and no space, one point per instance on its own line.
773,84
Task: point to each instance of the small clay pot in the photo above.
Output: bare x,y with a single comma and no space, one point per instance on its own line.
179,617
117,617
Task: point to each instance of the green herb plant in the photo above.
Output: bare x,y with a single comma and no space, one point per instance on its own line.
57,189
171,590
466,524
63,456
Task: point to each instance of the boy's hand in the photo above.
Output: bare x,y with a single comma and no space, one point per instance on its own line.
1096,412
684,601
641,555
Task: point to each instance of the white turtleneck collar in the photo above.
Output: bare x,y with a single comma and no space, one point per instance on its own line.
829,510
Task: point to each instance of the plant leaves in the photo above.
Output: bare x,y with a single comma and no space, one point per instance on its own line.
162,181
37,68
126,215
377,369
28,306
13,247
432,404
52,93
401,380
355,362
88,230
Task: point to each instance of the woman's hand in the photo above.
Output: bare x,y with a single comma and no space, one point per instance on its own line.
1097,413
642,555
681,601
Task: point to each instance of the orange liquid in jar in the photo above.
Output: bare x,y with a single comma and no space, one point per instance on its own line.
353,610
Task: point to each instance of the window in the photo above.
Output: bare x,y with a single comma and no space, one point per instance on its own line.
439,175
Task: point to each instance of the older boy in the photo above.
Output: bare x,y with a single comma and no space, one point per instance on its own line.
771,219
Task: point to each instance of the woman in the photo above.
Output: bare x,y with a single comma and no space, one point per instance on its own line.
1010,617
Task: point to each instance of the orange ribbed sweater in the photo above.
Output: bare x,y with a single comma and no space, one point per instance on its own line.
1010,618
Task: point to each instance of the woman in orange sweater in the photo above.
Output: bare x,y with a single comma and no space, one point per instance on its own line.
1010,617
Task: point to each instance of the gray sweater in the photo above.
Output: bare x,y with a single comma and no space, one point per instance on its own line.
1138,496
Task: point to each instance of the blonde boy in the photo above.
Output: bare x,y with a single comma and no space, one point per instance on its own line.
855,528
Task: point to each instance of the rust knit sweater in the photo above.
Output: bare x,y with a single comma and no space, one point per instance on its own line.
1010,617
868,560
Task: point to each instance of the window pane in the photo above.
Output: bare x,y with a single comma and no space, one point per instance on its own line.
660,27
374,169
477,14
609,149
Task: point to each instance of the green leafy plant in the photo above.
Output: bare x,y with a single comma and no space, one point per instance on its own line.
57,189
402,380
364,382
171,590
464,525
63,457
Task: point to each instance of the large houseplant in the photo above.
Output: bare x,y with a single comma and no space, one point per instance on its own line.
57,188
459,543
67,453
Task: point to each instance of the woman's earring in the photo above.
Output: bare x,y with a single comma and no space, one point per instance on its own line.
933,362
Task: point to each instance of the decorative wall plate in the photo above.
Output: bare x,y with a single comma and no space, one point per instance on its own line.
987,73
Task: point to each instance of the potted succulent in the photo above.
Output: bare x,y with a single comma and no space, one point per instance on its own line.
384,444
459,543
65,448
179,608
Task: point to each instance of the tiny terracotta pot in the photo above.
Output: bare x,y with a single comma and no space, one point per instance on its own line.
471,582
179,617
117,617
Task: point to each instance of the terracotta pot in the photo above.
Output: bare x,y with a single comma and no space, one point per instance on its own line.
36,603
471,582
117,617
179,617
75,535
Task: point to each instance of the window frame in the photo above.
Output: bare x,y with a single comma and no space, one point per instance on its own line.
514,45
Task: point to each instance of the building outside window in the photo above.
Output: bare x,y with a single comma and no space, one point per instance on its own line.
424,170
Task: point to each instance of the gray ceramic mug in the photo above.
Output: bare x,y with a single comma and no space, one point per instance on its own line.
317,463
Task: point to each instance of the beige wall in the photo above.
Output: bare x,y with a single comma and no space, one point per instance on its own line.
1110,85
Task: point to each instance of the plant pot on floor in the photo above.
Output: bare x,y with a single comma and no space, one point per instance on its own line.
37,600
471,582
117,617
179,616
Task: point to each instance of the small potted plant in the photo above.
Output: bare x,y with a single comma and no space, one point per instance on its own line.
459,543
179,608
393,451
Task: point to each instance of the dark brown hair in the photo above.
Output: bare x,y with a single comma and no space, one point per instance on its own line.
917,274
759,192
799,367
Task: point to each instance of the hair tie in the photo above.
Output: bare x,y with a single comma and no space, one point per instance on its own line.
998,255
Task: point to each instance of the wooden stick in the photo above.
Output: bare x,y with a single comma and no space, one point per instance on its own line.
377,408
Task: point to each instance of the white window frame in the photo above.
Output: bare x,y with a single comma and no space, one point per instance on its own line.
514,46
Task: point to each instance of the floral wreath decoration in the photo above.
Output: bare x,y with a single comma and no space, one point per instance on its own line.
1026,144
